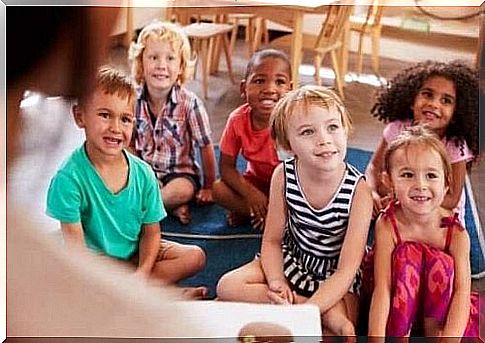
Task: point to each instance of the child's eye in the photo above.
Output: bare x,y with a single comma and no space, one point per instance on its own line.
307,132
406,175
281,82
171,58
104,115
258,81
126,119
447,101
333,127
432,176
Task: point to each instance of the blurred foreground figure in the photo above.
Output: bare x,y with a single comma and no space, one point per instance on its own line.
51,292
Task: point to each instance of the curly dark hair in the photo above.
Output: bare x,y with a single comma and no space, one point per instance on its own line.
394,100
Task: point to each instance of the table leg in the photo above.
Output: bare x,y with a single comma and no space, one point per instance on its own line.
128,36
296,46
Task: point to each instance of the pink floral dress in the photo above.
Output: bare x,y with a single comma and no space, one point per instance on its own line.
422,282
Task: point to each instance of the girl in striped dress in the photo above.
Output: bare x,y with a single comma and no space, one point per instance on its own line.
318,217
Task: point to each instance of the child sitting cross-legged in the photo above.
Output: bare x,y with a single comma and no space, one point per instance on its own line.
247,132
108,200
171,121
318,216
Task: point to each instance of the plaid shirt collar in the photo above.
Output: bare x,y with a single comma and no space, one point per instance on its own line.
173,96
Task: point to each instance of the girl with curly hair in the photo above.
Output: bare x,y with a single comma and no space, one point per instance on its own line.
444,97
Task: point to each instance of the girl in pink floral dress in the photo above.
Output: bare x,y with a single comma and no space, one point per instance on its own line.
421,253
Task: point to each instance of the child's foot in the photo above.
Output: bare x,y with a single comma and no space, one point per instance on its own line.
182,213
195,293
234,219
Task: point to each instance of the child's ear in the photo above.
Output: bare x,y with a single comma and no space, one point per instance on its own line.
78,116
447,189
386,180
242,89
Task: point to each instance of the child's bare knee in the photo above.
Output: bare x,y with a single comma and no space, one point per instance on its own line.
197,258
225,286
347,329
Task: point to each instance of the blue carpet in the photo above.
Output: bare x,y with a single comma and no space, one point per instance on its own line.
228,248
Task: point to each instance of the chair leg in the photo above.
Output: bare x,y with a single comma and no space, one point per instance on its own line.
195,57
338,76
317,63
376,34
228,57
360,52
258,34
205,66
264,27
344,50
232,42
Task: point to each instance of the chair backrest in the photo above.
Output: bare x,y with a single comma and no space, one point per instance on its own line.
333,25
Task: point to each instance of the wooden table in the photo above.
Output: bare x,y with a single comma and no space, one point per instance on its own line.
290,14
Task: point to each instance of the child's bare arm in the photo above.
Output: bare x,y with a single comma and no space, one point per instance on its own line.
256,200
73,235
381,297
148,248
459,310
209,168
458,171
271,253
374,169
336,286
374,179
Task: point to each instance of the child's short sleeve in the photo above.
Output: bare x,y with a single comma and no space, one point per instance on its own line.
155,210
64,199
230,143
199,123
392,130
458,151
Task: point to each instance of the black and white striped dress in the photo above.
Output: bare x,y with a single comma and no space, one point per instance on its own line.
313,238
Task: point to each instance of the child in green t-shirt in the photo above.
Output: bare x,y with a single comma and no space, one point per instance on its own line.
108,199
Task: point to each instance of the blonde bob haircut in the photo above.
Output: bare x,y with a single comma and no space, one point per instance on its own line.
164,31
418,135
309,95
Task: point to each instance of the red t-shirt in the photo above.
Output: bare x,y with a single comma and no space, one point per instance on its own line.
256,146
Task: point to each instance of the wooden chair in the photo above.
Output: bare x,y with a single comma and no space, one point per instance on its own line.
368,25
330,39
204,37
255,31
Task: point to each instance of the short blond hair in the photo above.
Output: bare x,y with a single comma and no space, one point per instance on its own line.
306,95
419,135
168,31
113,81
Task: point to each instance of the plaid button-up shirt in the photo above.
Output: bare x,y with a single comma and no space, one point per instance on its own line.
167,140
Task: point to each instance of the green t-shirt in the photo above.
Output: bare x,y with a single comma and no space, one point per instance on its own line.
111,222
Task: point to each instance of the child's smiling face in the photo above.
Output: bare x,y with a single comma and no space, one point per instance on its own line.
107,120
268,80
161,64
435,103
317,136
418,178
